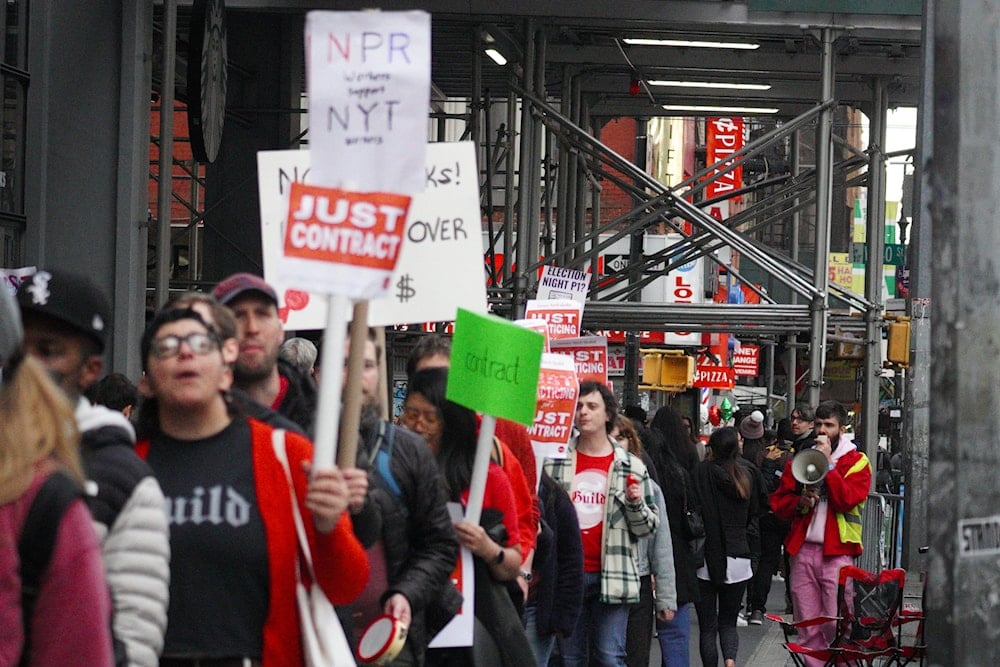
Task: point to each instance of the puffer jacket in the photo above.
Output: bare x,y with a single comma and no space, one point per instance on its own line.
420,544
127,507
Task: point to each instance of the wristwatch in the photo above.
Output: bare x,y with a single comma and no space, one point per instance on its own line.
499,559
526,575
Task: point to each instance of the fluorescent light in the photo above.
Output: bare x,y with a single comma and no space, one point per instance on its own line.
711,84
710,109
496,56
692,43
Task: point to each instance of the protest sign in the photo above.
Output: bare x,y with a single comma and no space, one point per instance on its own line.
440,267
368,78
459,630
560,283
494,369
556,407
539,325
494,366
590,353
562,315
340,242
12,278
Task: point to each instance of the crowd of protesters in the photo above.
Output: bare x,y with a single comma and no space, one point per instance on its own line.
150,522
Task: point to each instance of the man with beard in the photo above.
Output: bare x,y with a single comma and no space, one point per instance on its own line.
825,521
415,547
258,371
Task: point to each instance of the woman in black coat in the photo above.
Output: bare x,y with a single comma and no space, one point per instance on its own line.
729,492
678,493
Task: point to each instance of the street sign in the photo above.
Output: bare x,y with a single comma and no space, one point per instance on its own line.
892,253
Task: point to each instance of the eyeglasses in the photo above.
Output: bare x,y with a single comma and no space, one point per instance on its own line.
800,418
428,417
170,346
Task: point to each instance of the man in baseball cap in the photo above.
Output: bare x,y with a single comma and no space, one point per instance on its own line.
66,319
258,371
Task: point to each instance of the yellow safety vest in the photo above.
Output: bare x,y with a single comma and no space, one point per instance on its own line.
849,522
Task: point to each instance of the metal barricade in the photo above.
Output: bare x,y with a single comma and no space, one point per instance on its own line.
881,532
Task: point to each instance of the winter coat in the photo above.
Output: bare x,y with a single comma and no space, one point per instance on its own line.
127,506
727,515
560,574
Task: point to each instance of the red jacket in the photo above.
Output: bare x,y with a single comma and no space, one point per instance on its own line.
844,493
339,559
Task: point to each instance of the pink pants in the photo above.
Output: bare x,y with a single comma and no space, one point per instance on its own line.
814,593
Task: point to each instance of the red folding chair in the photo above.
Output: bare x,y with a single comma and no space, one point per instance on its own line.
912,646
867,620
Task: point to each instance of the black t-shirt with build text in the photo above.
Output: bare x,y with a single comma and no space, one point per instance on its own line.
218,550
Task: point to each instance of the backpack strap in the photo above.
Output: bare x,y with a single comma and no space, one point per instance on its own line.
381,457
38,539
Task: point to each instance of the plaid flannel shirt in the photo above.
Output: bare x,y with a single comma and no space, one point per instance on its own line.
623,523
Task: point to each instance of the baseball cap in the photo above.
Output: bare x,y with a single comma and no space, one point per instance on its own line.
239,284
752,426
11,333
69,297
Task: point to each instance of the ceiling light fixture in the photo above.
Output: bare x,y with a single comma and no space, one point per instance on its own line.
711,109
691,43
496,56
711,84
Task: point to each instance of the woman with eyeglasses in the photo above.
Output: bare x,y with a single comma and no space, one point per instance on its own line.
451,433
232,537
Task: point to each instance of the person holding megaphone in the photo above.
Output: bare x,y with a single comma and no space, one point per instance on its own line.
822,492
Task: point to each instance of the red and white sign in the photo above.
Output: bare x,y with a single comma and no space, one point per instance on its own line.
714,377
685,284
562,315
340,242
746,360
557,394
539,325
724,137
590,354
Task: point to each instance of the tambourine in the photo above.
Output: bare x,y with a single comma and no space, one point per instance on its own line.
381,641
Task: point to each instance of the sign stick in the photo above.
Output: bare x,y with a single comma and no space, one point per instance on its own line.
350,421
480,467
331,378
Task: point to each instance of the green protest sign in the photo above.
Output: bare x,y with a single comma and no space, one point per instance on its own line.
494,366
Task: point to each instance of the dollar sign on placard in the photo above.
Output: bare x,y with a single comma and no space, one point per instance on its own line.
406,292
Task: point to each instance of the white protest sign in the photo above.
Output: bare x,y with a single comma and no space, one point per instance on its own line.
459,630
368,78
12,278
559,283
440,267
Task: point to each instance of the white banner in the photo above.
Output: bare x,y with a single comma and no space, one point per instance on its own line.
440,267
368,78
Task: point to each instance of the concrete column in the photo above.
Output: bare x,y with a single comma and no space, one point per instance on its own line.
916,412
963,626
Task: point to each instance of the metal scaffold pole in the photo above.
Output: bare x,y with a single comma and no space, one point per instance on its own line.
824,203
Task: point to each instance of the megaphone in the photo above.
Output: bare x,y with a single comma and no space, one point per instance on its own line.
809,467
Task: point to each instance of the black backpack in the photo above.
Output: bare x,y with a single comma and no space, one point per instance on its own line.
37,539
